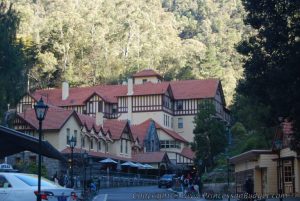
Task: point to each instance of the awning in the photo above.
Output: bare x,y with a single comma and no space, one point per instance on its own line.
12,142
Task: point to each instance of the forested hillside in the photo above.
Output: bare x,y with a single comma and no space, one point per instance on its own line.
88,42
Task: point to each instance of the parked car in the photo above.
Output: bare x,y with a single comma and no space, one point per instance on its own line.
166,180
20,186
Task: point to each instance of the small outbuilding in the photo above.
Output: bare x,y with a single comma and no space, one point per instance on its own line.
258,165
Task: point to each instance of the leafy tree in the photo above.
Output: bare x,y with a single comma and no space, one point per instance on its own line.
16,58
31,168
92,42
272,65
209,136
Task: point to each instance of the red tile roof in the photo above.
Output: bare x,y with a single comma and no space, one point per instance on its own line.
184,89
55,118
171,133
88,121
79,95
140,131
194,89
150,157
113,126
147,73
150,88
187,152
116,127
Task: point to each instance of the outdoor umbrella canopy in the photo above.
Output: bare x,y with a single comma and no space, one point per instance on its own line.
147,166
130,164
12,142
108,160
141,166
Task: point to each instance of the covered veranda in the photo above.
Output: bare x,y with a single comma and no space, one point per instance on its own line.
13,142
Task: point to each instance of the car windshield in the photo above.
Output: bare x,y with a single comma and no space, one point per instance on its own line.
166,176
32,180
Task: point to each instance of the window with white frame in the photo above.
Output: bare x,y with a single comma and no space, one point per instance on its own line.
68,136
82,141
121,146
75,134
180,122
170,144
288,171
99,146
91,144
106,147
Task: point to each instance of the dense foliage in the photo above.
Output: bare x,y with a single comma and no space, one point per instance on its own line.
16,57
209,136
272,71
88,42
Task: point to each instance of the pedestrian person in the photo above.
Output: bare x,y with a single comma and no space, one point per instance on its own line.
197,184
249,188
61,180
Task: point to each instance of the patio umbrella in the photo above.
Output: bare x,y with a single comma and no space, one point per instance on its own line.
129,164
108,161
141,166
147,166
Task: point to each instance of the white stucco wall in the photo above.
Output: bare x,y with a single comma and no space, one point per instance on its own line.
188,126
139,80
59,138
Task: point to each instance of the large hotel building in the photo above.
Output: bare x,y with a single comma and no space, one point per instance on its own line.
146,120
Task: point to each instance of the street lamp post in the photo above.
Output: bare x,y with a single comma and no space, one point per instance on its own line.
85,157
72,144
228,174
227,160
40,111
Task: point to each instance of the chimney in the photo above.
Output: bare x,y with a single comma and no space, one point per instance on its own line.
99,118
130,87
65,90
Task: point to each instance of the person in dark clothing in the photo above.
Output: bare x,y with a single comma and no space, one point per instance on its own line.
249,187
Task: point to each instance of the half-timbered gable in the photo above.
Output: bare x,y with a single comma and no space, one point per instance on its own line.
21,125
26,102
168,101
119,133
94,104
219,101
